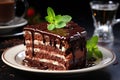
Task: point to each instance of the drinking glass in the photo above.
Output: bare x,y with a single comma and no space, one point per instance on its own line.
8,10
104,17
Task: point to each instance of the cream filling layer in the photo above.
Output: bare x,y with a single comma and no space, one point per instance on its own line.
52,62
49,61
47,52
37,42
51,53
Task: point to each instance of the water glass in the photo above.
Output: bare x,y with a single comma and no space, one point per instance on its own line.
104,17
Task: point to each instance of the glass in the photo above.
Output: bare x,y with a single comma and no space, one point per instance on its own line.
8,10
104,17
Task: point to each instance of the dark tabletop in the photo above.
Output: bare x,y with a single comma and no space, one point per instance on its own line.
111,72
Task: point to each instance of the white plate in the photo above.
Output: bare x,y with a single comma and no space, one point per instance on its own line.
12,34
18,22
14,56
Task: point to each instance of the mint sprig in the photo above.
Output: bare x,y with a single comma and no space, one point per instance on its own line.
92,48
56,21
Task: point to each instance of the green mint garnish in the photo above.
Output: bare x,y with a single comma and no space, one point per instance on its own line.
56,21
92,48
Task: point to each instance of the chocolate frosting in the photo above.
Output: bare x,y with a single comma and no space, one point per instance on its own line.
67,33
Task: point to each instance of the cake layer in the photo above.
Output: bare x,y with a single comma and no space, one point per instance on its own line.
43,65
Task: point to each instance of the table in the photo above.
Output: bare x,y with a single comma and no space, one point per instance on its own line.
111,72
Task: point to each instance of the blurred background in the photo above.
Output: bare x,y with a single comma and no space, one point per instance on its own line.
78,9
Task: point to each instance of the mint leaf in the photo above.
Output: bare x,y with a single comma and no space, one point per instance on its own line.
58,18
90,55
92,42
50,12
98,53
49,19
50,26
92,48
60,24
66,18
56,21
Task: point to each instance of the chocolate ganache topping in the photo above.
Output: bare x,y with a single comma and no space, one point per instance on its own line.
67,33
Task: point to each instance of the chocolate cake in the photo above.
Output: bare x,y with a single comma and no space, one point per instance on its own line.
58,49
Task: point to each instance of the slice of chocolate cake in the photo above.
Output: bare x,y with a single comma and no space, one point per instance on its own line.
58,49
58,44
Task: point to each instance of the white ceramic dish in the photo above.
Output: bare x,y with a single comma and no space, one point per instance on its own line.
14,56
18,22
12,34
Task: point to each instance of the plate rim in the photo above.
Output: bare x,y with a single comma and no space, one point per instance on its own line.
11,35
25,68
24,22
